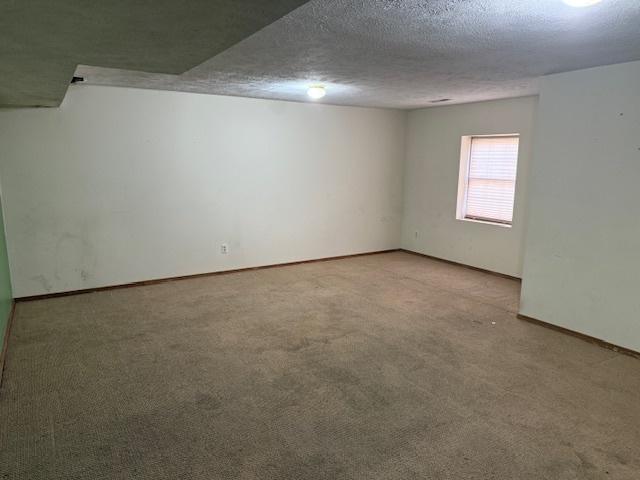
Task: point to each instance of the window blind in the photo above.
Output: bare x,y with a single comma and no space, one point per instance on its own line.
491,184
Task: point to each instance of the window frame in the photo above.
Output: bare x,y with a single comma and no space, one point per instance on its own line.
463,180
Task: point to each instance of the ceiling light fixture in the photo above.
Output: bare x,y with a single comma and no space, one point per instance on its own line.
581,3
316,92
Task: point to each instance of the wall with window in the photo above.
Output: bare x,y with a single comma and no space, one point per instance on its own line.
432,174
582,262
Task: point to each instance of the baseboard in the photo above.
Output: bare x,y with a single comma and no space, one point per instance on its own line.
581,336
450,262
189,277
5,342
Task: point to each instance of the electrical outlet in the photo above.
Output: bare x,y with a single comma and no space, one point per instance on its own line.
224,249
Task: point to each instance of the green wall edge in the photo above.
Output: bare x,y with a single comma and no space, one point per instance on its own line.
6,297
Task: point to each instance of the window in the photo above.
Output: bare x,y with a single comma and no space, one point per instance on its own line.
488,166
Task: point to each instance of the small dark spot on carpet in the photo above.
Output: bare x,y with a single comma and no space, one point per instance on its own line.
298,345
585,461
338,375
207,402
286,382
620,459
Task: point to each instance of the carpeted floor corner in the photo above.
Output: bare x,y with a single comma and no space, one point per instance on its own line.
383,367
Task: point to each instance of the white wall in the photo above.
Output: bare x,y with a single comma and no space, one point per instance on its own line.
121,185
431,184
582,263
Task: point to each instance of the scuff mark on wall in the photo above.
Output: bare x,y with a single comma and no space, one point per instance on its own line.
43,282
75,255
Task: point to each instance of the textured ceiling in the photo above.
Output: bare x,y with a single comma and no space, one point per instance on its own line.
407,53
42,41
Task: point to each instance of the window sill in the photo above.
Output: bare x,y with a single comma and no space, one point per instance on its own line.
486,222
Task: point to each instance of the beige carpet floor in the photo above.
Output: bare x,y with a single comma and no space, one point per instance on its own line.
383,367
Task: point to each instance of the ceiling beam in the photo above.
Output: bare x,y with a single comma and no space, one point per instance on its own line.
42,41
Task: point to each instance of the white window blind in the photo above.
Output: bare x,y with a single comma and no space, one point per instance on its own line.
491,182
